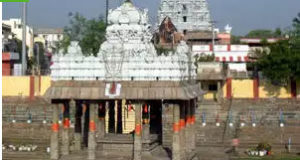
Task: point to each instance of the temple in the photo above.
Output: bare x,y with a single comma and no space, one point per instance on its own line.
187,15
128,89
187,20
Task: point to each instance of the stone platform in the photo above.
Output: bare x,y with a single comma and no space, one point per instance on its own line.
115,156
124,143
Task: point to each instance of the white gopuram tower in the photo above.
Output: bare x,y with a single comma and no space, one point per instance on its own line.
186,15
127,54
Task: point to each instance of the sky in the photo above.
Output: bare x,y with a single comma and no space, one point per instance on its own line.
242,15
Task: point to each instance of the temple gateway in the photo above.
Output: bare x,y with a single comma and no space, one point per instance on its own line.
127,99
187,15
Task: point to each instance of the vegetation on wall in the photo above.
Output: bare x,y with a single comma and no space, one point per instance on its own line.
160,50
204,58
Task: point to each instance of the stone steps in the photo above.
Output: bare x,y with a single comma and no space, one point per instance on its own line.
267,125
25,155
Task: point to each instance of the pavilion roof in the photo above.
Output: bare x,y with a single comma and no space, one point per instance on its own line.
134,90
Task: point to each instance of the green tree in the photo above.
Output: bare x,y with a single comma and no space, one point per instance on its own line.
295,33
93,37
277,32
90,33
265,33
235,39
297,19
260,33
275,66
39,54
283,62
19,45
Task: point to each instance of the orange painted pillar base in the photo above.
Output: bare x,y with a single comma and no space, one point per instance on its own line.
137,151
176,152
54,144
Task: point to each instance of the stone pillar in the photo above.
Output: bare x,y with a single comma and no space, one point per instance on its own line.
146,132
92,130
182,131
78,128
65,132
137,155
101,116
85,123
188,127
220,91
146,122
54,144
101,122
193,126
176,134
116,117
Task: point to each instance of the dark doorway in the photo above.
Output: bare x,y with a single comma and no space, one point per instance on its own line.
155,117
86,125
111,117
119,118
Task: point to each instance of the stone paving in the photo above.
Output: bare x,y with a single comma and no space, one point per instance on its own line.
80,155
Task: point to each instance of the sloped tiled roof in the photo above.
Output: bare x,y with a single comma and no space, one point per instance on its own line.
137,90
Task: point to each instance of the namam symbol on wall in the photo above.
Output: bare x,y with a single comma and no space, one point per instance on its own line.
113,89
113,57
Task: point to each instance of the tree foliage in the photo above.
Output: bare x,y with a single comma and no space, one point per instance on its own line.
283,62
295,33
264,33
43,59
160,50
204,58
90,33
235,39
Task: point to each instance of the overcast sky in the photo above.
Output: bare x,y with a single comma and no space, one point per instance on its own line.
243,15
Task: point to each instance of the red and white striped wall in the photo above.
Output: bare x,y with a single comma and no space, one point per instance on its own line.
224,53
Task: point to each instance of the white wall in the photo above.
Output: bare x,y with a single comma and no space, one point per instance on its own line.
234,51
